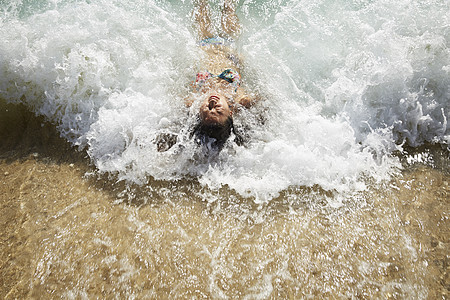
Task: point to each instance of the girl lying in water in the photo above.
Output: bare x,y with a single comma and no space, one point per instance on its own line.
219,87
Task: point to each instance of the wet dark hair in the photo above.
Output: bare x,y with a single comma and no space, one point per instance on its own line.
219,132
214,135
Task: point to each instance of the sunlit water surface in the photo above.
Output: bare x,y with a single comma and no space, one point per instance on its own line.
341,190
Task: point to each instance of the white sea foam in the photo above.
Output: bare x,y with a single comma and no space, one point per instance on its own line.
343,84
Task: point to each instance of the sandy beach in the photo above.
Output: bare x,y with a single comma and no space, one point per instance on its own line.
68,234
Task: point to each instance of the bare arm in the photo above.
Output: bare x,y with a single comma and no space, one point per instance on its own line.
189,100
246,100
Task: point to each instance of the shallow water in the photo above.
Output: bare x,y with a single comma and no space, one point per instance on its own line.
342,190
343,86
71,235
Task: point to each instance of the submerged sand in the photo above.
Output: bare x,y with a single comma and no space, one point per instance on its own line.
72,235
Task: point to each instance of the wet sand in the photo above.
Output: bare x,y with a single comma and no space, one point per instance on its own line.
72,235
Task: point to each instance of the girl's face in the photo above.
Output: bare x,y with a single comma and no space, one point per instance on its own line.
215,109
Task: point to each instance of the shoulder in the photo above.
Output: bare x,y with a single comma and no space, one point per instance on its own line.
245,99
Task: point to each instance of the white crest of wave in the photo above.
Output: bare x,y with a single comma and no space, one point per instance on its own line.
342,83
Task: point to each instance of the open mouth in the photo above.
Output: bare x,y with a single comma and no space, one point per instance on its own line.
213,101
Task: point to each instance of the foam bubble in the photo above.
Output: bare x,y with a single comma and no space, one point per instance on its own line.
342,86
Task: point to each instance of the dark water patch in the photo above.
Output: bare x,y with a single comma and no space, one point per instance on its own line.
22,134
436,156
